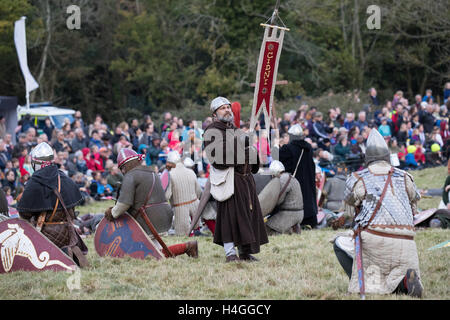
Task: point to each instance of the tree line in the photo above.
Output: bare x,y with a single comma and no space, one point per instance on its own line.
135,57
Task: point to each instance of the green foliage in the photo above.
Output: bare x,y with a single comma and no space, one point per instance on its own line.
157,55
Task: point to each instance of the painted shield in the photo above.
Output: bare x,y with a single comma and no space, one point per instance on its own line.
165,179
124,237
423,215
23,248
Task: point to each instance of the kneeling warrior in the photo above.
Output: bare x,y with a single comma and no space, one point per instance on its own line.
48,203
141,192
289,210
384,199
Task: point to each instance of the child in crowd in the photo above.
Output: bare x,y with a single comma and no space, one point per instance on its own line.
104,190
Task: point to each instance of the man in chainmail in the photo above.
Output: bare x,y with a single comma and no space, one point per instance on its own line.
385,200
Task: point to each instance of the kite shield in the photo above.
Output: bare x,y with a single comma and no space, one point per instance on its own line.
124,237
23,248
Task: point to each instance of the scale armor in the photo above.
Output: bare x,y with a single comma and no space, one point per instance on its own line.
396,207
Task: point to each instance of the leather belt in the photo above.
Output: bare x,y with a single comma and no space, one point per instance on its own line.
382,234
183,203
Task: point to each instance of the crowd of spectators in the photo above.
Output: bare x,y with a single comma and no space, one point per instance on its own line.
417,132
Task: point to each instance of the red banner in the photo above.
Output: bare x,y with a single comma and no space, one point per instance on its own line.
266,75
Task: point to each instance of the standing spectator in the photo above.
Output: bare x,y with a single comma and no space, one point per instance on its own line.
4,155
60,144
2,126
427,119
446,92
373,97
402,134
166,122
428,95
48,128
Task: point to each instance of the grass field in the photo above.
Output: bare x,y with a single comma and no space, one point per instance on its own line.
290,267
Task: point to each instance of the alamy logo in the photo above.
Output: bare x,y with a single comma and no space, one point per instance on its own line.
374,20
74,20
74,281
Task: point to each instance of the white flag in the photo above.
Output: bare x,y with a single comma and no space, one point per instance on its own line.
21,47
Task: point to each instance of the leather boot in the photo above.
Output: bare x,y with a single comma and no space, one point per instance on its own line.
192,249
413,284
79,257
232,258
247,257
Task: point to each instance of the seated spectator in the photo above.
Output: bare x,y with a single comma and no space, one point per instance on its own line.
384,128
80,141
61,144
93,187
82,185
361,123
410,161
92,158
114,177
349,121
95,139
402,134
104,190
342,149
436,137
11,201
154,150
419,154
10,181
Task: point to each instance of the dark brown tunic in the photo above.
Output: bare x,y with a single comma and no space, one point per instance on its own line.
239,219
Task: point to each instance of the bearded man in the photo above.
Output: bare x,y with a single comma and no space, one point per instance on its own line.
239,218
141,187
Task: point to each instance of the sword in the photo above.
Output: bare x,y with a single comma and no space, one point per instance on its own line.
155,233
359,261
201,206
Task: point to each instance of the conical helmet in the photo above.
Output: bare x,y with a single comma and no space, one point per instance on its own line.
42,155
377,148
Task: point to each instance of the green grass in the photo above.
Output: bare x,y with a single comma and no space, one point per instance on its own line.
290,267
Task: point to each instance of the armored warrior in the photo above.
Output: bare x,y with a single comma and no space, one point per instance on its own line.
48,203
384,259
142,196
239,218
183,193
289,210
290,154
